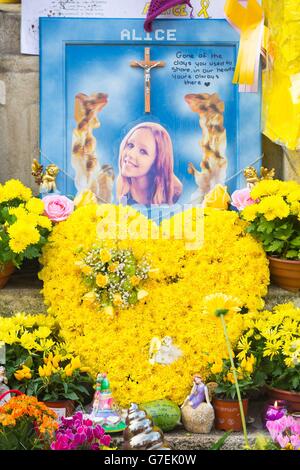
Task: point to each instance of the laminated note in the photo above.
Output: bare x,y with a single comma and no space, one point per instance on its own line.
32,10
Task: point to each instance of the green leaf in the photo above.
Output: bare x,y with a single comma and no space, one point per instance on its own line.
220,442
276,245
295,243
71,396
295,382
292,254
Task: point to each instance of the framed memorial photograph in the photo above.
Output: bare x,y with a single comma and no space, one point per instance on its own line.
145,118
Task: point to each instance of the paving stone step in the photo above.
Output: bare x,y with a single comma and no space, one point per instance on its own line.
183,440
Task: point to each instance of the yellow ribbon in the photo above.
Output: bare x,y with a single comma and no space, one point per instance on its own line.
204,5
249,21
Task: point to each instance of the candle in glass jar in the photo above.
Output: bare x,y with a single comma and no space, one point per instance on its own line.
276,411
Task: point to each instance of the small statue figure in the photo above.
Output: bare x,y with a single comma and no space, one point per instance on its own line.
163,352
46,180
3,386
197,412
105,412
252,177
140,433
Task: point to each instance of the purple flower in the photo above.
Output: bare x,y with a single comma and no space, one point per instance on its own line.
88,422
106,440
295,441
282,440
79,433
98,431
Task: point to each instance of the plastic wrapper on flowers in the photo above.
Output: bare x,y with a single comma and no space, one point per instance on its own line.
281,80
180,278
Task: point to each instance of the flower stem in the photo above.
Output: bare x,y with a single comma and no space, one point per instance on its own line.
236,382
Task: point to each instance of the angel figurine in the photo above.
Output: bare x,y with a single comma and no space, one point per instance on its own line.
197,412
45,179
164,351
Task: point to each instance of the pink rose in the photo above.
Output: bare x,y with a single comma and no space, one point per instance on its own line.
58,208
241,199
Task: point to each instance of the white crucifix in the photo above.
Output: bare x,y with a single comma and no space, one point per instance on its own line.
147,65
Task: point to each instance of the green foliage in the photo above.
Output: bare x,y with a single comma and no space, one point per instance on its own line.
220,442
223,376
280,237
20,437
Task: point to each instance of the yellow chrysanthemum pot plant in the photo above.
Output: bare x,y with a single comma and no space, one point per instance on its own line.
39,363
23,227
273,339
272,209
234,378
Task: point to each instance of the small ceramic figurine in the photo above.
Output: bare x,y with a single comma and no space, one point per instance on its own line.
3,386
105,412
46,180
252,177
164,351
140,433
197,412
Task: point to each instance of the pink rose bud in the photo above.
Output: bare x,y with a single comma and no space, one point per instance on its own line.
241,198
58,208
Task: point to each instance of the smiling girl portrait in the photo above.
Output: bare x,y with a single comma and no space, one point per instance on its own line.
146,167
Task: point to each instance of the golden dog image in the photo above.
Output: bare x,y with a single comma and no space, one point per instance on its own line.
210,109
88,172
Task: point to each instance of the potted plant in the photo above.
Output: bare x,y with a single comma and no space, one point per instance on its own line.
272,210
78,433
23,228
273,339
225,402
38,363
26,424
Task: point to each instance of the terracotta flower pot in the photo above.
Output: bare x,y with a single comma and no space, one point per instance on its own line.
5,273
292,398
227,414
63,408
285,273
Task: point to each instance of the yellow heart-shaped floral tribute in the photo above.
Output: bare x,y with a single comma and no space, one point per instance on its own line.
229,261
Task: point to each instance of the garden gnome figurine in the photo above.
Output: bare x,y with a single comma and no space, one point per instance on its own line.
105,411
3,386
197,412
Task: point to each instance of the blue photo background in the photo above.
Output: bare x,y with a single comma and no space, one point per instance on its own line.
93,55
106,69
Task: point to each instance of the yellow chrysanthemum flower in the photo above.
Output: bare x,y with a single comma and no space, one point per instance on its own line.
35,205
221,303
250,212
22,235
44,222
273,207
14,189
42,332
265,188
